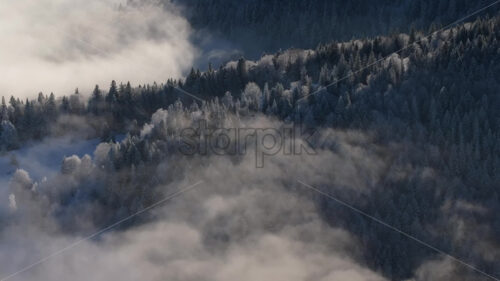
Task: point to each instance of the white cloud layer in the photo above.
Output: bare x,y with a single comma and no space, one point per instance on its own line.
58,45
241,223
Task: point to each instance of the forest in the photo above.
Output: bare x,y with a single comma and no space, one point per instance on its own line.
414,113
305,24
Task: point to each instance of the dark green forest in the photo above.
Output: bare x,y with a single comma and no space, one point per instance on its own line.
435,104
258,26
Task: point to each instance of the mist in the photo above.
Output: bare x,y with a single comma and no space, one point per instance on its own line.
240,222
371,159
59,45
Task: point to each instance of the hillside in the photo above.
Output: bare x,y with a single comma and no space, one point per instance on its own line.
406,128
265,26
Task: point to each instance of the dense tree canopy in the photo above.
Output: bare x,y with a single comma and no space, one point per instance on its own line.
304,24
439,98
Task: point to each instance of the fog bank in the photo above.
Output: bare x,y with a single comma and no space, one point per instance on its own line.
58,45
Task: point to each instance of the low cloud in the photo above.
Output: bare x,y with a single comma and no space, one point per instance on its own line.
58,45
240,223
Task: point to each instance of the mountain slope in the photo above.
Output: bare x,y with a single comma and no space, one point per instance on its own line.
413,139
258,26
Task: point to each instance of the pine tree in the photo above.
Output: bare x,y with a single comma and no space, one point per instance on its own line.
96,101
4,111
51,108
112,93
242,71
